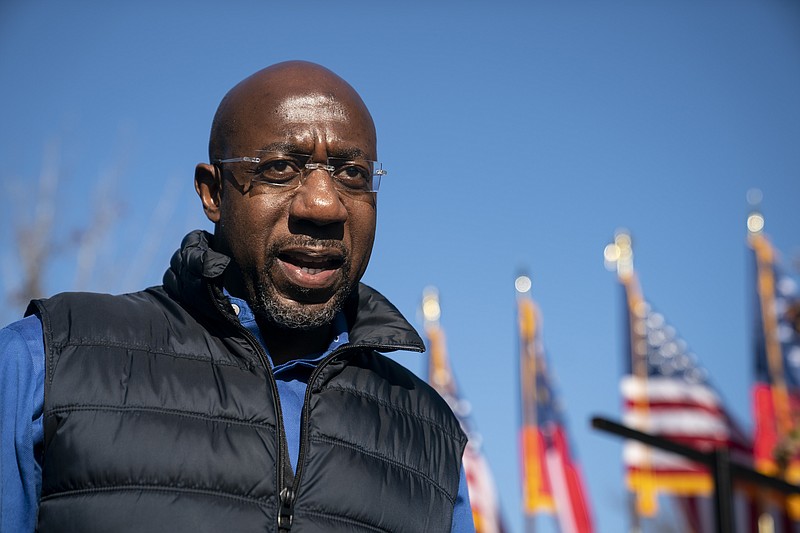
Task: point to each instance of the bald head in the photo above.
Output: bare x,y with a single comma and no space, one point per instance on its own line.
295,93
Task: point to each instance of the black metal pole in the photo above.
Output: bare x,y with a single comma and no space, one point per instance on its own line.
738,471
724,470
723,490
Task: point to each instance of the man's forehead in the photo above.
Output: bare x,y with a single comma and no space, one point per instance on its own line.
296,103
298,120
310,108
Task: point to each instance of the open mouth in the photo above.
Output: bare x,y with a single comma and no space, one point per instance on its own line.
312,262
310,267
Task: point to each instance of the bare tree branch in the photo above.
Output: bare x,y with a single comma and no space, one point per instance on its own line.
153,234
34,239
106,211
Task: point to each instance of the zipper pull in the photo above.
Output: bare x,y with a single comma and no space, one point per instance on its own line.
286,509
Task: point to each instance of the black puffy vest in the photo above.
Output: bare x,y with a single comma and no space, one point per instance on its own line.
160,416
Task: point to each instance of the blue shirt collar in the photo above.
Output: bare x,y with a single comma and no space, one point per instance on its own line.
247,319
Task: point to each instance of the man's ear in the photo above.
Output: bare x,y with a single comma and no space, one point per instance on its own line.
208,184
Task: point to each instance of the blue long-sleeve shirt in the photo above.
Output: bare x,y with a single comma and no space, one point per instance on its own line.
22,400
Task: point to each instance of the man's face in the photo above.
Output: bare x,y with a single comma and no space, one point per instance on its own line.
300,252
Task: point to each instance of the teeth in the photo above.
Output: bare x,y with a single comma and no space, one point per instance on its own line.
312,271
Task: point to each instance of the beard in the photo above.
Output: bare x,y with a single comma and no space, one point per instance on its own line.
268,305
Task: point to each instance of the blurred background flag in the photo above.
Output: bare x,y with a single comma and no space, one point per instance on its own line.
482,490
776,343
551,479
666,392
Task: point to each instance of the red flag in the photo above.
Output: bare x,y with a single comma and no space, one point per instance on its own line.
776,390
551,478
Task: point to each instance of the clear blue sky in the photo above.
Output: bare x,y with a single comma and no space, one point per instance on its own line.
516,134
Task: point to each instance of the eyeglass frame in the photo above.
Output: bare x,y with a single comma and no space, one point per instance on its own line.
303,172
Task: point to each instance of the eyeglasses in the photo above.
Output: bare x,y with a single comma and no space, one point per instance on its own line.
284,171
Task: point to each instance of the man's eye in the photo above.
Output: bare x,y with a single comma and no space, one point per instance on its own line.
278,166
354,176
278,170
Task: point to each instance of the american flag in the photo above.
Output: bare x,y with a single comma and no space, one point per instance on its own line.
486,513
552,480
667,392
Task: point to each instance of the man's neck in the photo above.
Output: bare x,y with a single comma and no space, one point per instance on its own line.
287,344
283,344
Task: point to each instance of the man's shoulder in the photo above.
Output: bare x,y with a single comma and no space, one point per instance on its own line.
23,329
96,302
101,297
91,313
20,335
22,348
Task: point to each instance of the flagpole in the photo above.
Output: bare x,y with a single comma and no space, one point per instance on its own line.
765,258
528,395
620,256
438,373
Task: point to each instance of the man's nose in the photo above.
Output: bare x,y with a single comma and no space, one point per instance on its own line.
317,201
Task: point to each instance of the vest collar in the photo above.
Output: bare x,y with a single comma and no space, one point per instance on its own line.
373,321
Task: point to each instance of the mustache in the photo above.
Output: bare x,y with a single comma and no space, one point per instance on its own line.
306,241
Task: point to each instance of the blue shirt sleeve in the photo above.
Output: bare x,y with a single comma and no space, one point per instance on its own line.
462,512
21,430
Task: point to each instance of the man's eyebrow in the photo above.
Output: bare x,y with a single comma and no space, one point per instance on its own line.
349,153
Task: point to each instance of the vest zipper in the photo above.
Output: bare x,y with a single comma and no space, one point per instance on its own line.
286,494
286,509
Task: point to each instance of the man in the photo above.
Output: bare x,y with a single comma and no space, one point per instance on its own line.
246,393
